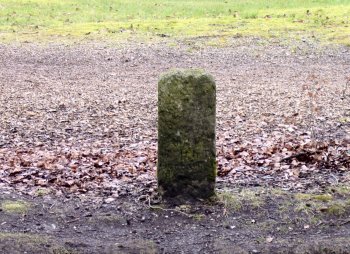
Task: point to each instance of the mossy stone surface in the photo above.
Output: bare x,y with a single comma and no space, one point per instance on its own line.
186,134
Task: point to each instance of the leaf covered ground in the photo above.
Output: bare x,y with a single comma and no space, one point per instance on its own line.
81,121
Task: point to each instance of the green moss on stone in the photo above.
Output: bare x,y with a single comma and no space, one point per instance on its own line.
186,134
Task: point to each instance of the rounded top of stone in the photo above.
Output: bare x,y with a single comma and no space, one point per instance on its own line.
187,74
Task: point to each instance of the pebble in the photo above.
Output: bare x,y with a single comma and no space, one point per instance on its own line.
109,200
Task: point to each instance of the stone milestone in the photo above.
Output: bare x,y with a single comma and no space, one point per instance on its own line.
186,134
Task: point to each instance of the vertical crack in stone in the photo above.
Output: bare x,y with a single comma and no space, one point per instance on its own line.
186,134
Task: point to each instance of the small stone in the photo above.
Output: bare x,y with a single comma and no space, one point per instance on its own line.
269,239
119,245
324,209
109,200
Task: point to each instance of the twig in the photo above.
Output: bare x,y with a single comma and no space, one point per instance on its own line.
70,221
339,223
167,210
345,222
335,178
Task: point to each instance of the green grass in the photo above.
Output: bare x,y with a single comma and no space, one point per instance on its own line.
9,206
52,20
243,199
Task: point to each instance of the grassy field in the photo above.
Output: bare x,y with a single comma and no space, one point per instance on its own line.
51,20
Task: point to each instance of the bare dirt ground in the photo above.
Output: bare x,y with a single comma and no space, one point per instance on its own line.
78,148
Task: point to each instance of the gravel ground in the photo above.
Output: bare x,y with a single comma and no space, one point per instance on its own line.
83,119
92,109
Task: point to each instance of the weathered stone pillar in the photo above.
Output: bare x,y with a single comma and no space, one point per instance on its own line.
186,134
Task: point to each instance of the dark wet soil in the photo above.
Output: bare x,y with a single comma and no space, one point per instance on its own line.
267,222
